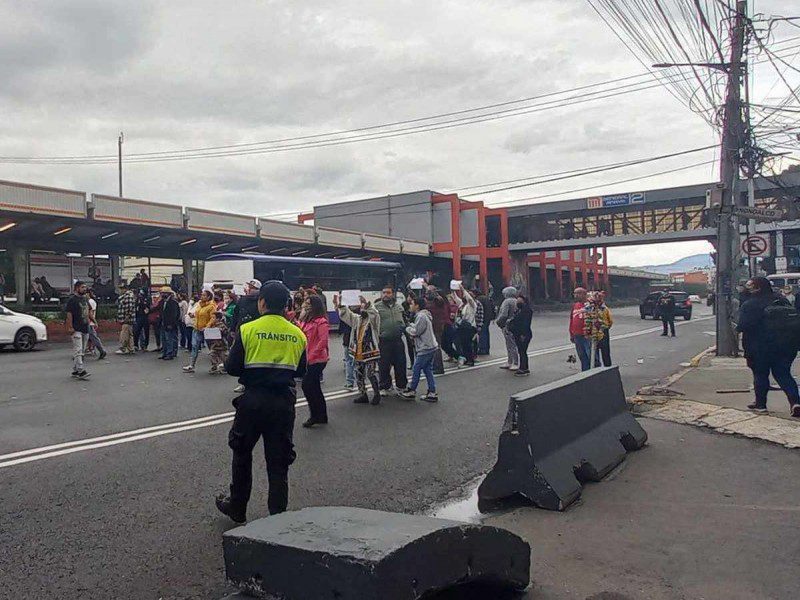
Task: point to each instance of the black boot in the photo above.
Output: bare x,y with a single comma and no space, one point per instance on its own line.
226,507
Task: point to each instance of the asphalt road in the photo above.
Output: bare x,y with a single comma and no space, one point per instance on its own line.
106,486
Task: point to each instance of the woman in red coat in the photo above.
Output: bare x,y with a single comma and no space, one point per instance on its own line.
315,326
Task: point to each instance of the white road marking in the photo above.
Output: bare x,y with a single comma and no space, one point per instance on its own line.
55,450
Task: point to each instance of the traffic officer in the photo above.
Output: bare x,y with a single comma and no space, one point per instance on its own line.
268,353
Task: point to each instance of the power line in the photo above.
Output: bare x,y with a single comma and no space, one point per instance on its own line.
575,100
345,131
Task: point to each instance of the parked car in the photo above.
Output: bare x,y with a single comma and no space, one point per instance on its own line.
649,306
21,330
695,299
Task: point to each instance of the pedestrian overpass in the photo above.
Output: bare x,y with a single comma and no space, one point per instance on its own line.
648,217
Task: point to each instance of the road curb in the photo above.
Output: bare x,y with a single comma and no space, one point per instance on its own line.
695,361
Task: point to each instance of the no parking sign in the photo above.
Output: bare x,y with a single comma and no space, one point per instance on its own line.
756,245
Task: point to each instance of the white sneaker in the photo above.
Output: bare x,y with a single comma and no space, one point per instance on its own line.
238,389
462,361
514,368
188,369
385,392
120,352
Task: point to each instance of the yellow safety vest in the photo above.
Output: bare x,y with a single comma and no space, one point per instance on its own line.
272,342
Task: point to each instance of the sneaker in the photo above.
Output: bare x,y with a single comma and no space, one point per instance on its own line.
663,335
462,361
349,386
74,374
384,392
120,351
238,389
102,355
188,369
408,393
450,359
83,375
796,411
521,373
309,423
513,368
376,399
430,397
757,408
225,506
213,371
361,399
505,367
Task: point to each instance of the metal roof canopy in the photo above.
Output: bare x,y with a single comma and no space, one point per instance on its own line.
377,264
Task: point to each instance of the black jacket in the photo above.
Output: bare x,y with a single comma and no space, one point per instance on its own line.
756,340
246,310
520,323
170,314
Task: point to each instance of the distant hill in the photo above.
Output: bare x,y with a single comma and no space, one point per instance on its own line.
690,263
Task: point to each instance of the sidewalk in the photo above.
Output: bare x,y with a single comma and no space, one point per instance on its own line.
715,394
692,515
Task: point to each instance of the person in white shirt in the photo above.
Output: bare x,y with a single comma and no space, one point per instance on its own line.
93,337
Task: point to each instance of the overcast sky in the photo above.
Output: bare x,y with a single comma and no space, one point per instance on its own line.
184,74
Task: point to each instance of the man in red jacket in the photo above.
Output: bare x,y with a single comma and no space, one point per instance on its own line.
577,317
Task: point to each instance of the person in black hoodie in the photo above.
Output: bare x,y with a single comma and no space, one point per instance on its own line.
520,328
766,346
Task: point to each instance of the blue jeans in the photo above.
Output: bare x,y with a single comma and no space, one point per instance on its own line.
349,368
483,339
198,341
781,367
169,342
423,363
583,346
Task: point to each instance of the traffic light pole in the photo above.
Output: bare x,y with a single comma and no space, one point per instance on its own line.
727,227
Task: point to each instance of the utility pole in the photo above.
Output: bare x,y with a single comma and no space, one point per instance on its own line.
120,139
727,228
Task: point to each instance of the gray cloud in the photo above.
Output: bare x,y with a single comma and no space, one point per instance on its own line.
189,73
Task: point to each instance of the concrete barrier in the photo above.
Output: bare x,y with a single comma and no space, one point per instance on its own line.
359,554
557,435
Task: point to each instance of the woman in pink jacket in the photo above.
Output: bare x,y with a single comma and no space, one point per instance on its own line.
315,326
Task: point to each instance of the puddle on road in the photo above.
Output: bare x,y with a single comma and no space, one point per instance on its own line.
466,507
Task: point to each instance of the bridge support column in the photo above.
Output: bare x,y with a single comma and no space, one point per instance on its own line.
20,258
559,275
187,275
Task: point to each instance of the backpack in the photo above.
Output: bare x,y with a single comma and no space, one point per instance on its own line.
782,325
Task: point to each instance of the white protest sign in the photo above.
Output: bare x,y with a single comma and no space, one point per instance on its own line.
416,283
350,297
212,333
455,284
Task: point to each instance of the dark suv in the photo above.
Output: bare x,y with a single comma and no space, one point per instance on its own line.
649,306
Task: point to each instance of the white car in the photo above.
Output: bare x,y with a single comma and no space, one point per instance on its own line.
694,299
23,331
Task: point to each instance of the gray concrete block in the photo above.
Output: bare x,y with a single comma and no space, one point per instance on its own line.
353,553
557,435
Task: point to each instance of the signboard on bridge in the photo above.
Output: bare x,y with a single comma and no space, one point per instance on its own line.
759,214
615,200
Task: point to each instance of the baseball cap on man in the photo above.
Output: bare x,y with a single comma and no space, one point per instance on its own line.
275,295
254,283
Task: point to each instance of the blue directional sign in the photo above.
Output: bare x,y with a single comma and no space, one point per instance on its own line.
615,200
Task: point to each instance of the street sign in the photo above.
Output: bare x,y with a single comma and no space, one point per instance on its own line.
781,264
756,245
759,214
615,200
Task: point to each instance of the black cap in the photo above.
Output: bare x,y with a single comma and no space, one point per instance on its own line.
275,295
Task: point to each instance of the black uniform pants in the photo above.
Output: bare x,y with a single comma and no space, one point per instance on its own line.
312,388
668,320
604,346
393,355
269,415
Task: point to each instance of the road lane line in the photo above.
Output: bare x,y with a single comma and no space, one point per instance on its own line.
55,450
